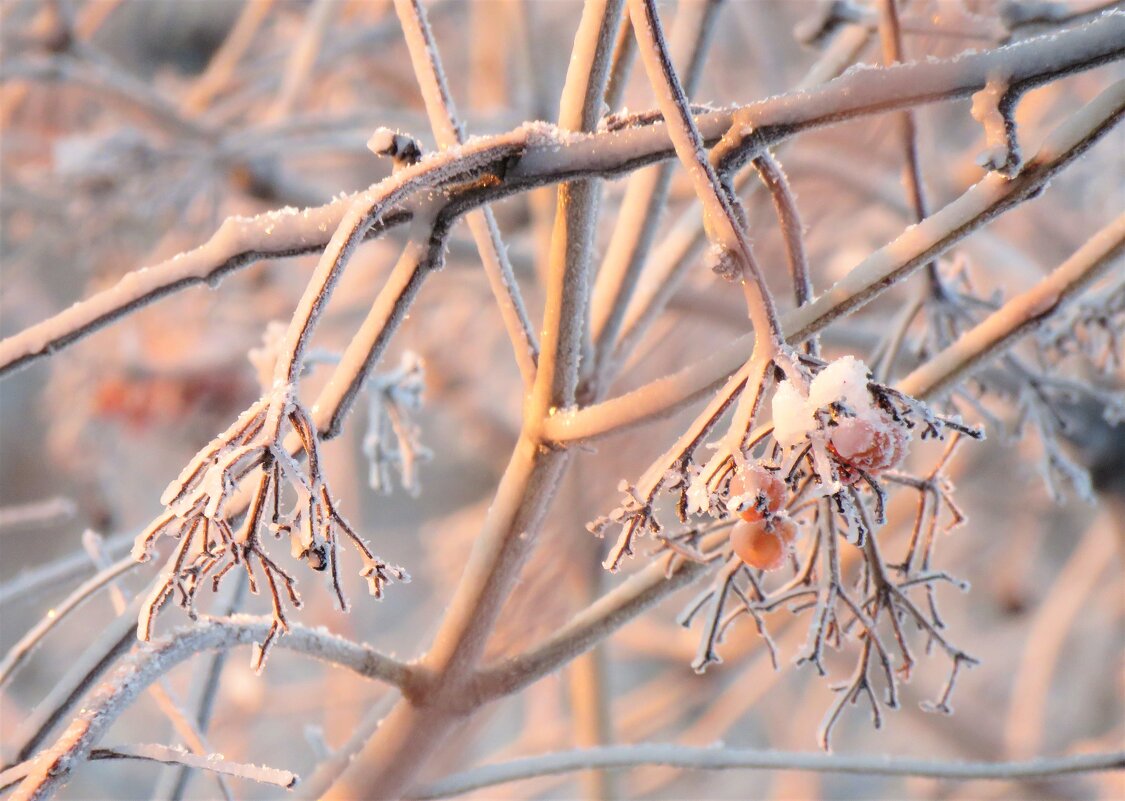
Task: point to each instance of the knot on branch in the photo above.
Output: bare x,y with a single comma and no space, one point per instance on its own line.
402,148
994,108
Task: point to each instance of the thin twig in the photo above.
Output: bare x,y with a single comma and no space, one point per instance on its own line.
1022,313
153,660
645,195
151,752
84,592
710,758
721,219
449,132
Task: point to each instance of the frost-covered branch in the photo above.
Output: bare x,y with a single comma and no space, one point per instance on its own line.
52,766
23,649
592,625
711,758
789,220
391,758
645,194
1022,313
723,222
151,752
920,244
242,241
449,132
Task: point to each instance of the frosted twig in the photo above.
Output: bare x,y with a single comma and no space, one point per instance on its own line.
151,752
532,475
713,758
23,649
645,194
890,34
84,672
1016,15
592,625
37,513
391,440
151,661
672,260
674,460
789,220
722,220
994,108
1023,312
449,133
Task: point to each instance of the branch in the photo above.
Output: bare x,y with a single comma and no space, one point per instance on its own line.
680,249
448,131
545,159
85,671
152,660
151,752
645,195
1025,311
789,219
411,733
919,245
26,586
610,612
617,607
710,758
890,34
722,220
84,592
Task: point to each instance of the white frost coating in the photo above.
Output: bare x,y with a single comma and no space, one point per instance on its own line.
382,141
698,495
790,416
998,153
843,381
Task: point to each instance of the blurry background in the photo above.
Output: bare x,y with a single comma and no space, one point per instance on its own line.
132,128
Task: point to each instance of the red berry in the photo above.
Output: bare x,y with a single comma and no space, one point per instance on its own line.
761,492
763,544
868,446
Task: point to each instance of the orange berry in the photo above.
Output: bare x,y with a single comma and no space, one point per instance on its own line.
761,492
868,446
763,544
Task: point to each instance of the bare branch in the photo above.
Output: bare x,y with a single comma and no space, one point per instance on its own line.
242,241
151,661
163,754
991,197
84,592
627,756
450,133
1020,314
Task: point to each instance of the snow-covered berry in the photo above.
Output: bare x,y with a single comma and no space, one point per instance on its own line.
763,544
756,492
870,444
